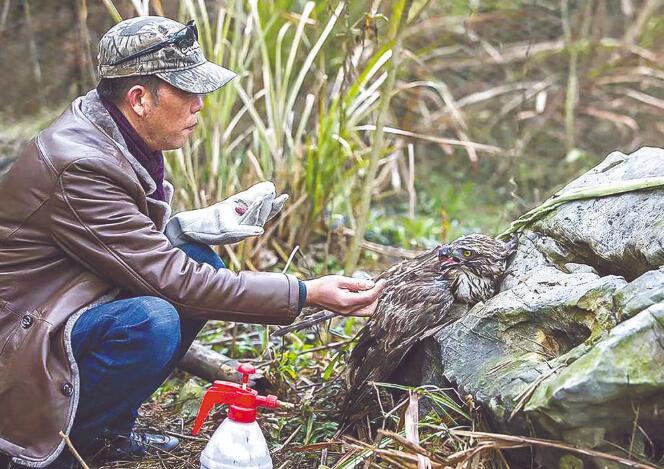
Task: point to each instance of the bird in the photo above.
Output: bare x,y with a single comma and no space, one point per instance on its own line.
415,304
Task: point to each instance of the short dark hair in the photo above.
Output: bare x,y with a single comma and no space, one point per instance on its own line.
115,89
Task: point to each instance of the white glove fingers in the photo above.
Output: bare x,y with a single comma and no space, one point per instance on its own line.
277,205
252,215
256,192
265,209
229,221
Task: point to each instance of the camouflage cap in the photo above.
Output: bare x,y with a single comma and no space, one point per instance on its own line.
185,68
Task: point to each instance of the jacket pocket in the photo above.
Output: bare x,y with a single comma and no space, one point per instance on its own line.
14,328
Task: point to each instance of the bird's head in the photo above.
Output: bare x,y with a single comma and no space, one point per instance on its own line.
475,263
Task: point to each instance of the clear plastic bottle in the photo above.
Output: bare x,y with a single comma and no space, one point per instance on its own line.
239,441
236,444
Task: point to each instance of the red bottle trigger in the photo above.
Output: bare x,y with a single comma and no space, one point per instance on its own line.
243,401
220,392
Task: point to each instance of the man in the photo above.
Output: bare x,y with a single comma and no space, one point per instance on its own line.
97,304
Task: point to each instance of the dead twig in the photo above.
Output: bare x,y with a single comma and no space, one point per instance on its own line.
644,98
395,456
414,447
525,395
411,422
73,450
432,138
516,53
502,441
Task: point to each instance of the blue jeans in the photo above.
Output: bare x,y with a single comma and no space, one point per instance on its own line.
124,350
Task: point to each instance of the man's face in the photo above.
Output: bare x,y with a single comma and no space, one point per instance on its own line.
169,121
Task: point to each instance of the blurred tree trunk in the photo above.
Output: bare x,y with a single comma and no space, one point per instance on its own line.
34,53
4,14
86,71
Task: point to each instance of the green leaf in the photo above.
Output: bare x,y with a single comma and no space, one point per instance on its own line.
329,369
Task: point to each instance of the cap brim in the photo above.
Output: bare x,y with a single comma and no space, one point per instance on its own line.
204,78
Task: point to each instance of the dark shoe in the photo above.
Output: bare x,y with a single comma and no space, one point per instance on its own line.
136,445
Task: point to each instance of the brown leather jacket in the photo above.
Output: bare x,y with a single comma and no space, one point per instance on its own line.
75,227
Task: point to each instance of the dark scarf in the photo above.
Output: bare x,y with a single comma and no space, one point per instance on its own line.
152,161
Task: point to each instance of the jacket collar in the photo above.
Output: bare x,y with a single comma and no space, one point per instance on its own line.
92,107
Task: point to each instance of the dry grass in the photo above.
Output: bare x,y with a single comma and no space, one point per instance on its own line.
394,435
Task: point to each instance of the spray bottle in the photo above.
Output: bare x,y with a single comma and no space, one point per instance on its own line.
238,442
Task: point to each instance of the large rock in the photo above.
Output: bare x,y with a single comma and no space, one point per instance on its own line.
618,381
523,334
572,347
621,234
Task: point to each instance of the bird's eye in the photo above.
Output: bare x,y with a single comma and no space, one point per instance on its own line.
467,253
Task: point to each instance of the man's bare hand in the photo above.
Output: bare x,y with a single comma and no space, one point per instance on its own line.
344,295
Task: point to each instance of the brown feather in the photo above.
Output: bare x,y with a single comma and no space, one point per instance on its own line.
417,297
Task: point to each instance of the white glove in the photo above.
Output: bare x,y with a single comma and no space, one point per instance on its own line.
230,221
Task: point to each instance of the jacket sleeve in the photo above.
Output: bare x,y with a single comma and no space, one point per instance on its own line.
95,219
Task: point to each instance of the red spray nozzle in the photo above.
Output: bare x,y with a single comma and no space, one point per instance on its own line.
246,369
243,401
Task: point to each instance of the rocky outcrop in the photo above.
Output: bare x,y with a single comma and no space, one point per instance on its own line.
572,347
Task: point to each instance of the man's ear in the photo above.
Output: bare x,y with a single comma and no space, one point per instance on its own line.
139,100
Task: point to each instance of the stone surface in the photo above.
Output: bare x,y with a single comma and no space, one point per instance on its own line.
618,377
499,348
640,294
621,234
572,346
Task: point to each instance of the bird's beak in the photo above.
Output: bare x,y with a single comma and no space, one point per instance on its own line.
445,256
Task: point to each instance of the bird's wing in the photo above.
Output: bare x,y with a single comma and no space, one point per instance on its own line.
404,315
